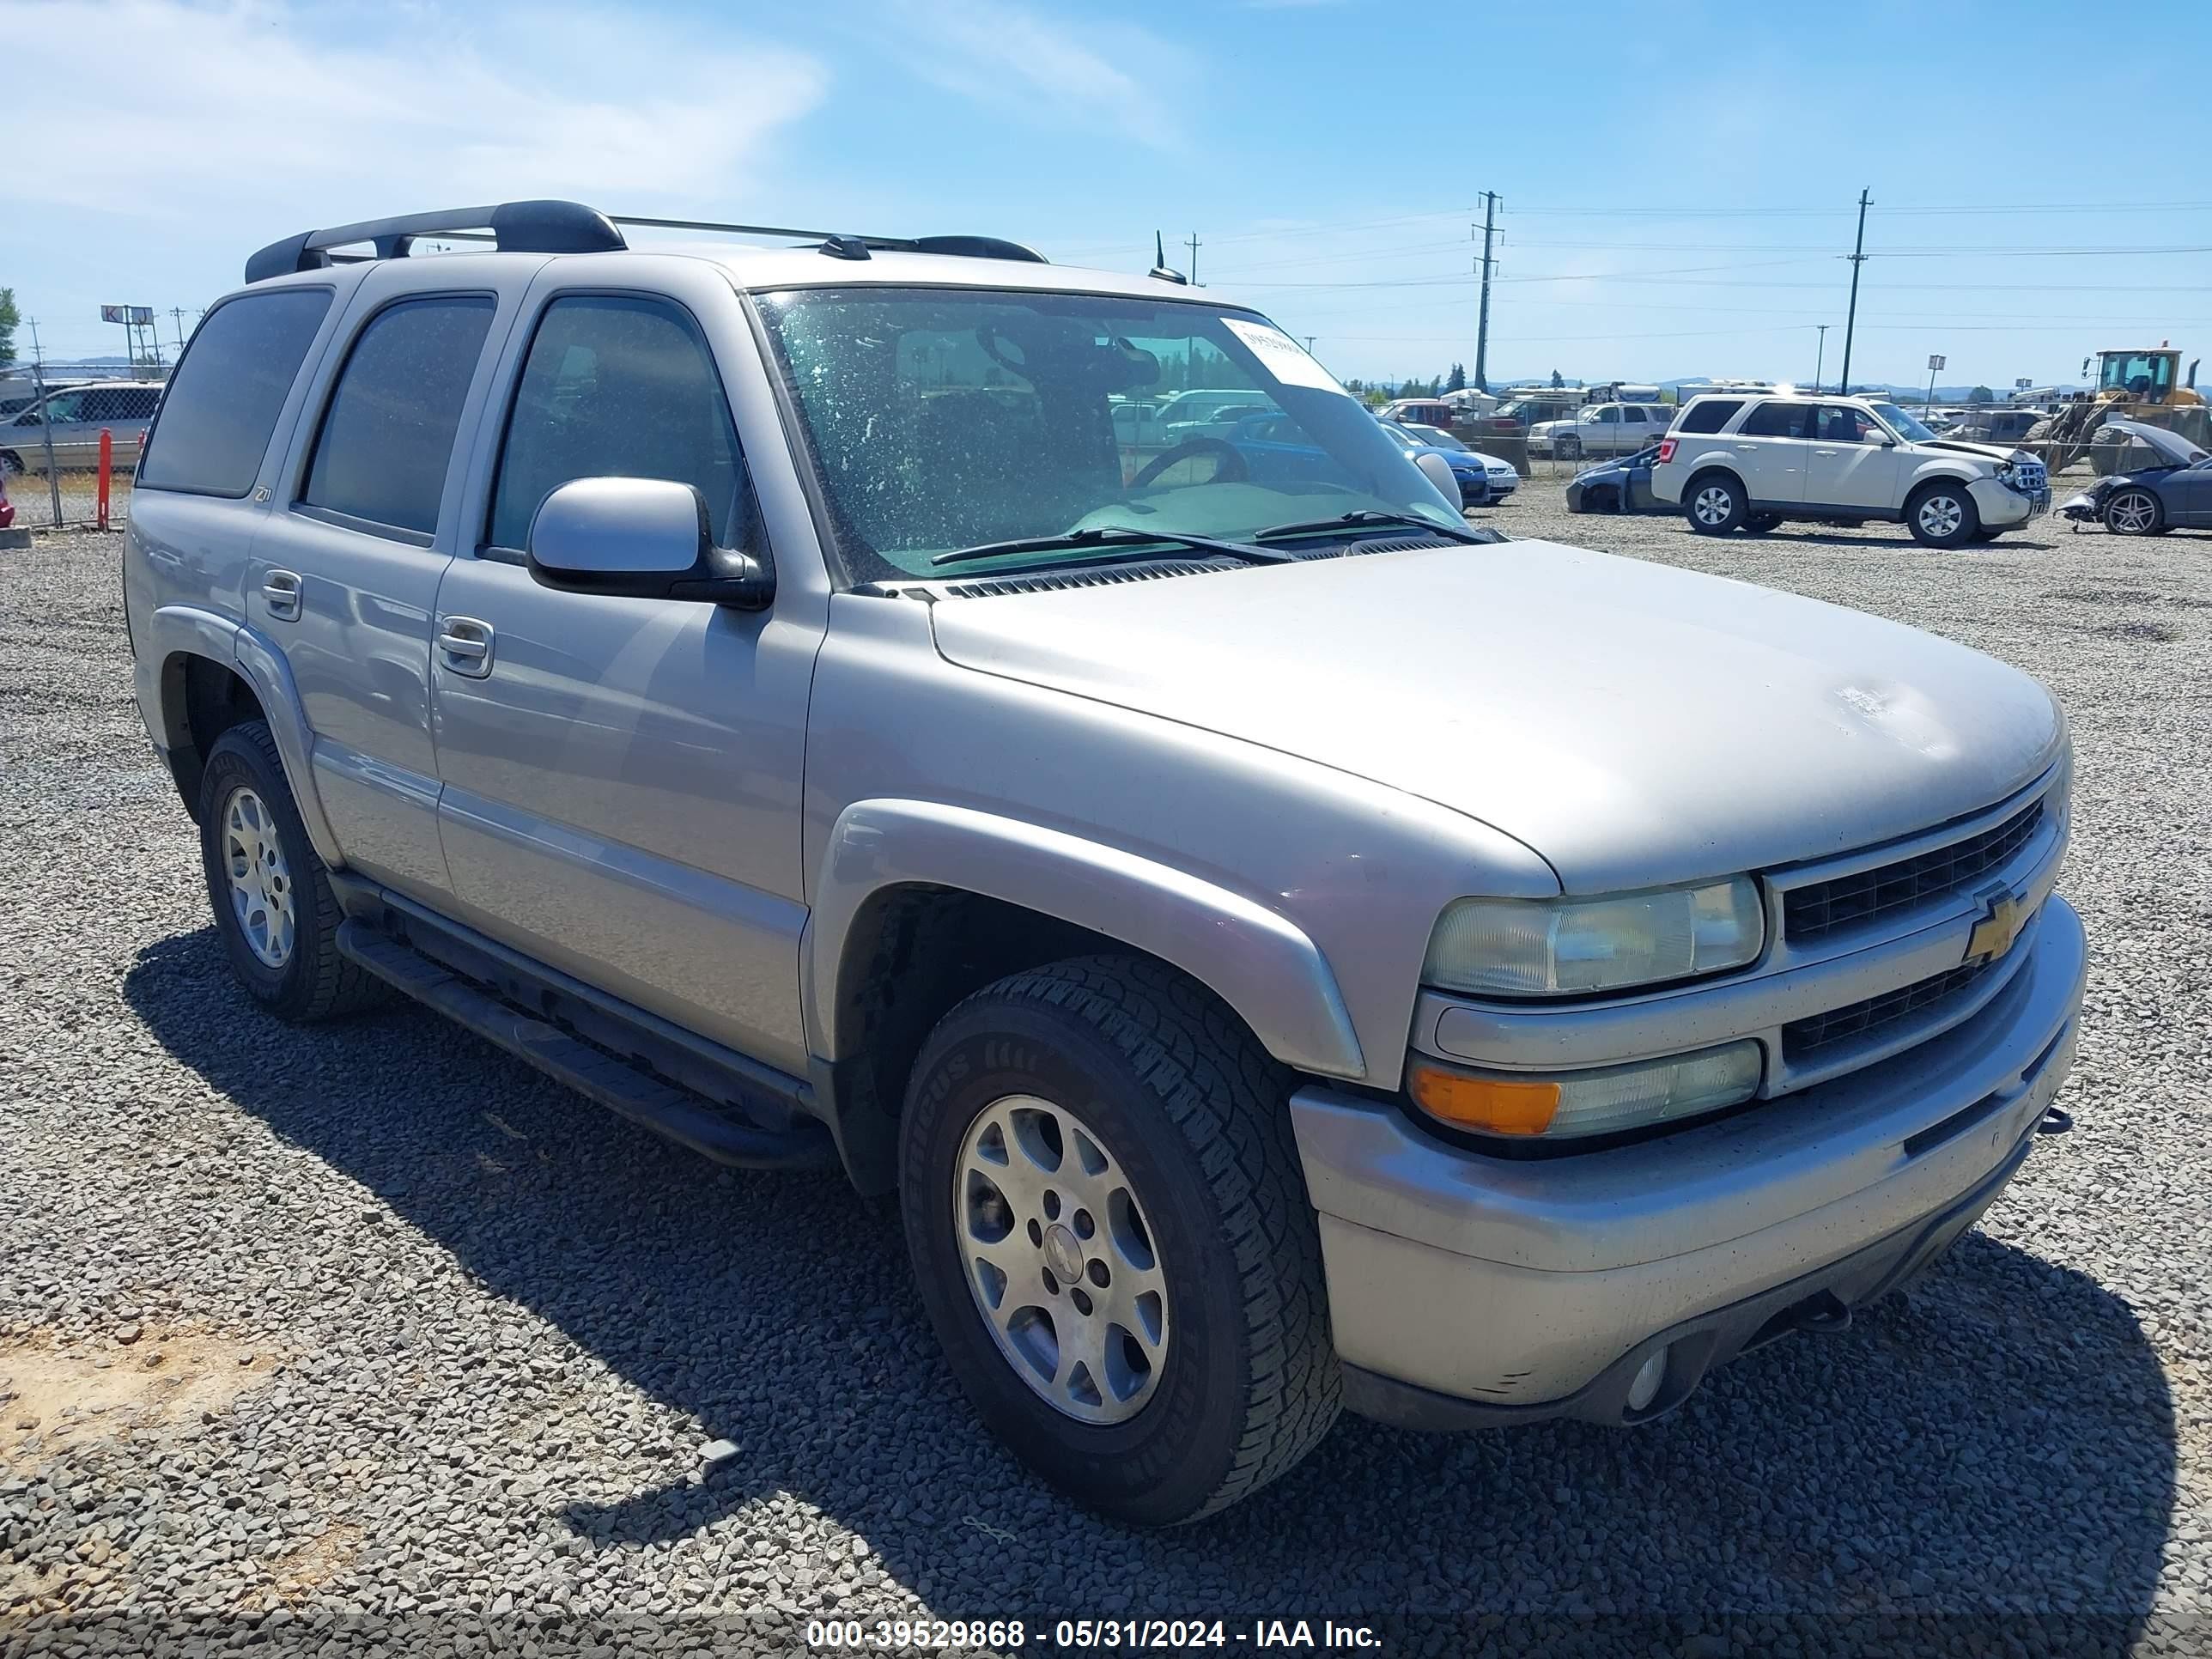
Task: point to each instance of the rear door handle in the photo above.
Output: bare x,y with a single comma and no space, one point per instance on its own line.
465,644
280,588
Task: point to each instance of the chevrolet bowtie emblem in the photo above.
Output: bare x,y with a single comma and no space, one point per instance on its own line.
1999,927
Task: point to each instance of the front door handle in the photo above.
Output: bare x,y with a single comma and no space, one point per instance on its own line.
465,644
280,588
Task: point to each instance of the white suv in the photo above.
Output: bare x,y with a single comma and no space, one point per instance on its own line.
1600,429
1749,462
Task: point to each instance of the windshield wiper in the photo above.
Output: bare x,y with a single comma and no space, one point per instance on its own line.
1368,515
1114,535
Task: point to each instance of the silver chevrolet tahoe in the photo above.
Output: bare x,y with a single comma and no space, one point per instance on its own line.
1285,949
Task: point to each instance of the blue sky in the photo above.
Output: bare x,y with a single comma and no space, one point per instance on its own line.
1677,180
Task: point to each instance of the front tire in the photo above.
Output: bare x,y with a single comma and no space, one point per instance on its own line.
2134,513
1566,449
1110,1230
270,892
1943,514
1714,504
11,465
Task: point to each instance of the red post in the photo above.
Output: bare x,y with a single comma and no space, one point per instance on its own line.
106,470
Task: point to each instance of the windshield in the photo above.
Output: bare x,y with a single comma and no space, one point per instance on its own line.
1903,424
1435,436
2138,374
942,419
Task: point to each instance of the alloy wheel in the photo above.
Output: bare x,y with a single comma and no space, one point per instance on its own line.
2132,512
1713,504
259,879
1941,515
1060,1258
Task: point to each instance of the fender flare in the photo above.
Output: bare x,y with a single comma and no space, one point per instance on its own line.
1255,959
186,630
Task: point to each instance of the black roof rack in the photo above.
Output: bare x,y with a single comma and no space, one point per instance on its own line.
551,226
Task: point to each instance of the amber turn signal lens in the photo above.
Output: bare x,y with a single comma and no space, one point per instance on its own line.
1498,1106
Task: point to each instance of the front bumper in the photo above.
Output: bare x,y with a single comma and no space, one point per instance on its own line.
1467,1289
2002,505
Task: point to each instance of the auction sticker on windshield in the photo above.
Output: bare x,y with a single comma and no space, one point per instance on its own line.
1282,356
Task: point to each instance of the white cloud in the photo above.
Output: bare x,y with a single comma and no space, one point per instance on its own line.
288,117
1102,74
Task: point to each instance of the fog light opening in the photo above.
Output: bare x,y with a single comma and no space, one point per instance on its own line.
1643,1387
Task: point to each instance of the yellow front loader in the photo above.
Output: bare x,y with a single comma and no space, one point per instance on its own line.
2134,384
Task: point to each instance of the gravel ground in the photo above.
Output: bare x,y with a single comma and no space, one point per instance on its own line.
367,1335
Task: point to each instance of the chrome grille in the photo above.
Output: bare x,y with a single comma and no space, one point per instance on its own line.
1824,906
1802,1036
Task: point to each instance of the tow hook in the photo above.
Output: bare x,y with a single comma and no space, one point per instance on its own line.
2054,1121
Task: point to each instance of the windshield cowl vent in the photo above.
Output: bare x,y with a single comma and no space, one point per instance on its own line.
1051,582
1115,575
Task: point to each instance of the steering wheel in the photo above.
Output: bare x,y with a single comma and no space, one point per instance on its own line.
1232,470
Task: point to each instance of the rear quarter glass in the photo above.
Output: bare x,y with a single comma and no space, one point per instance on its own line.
222,402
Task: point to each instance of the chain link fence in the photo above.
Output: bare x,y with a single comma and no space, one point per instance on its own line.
51,418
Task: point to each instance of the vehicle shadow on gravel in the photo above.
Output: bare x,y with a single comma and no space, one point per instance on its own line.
2001,1439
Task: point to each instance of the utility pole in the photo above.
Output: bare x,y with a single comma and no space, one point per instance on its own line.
1820,358
45,429
176,316
1850,321
1193,258
1482,324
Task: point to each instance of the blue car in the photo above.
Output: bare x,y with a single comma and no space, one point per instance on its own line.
1484,480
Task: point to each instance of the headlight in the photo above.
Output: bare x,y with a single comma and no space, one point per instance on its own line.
1562,947
1562,1105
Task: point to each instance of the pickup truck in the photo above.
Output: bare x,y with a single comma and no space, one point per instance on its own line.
1286,950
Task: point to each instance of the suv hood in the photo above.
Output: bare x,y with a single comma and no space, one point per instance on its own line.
1632,722
1979,451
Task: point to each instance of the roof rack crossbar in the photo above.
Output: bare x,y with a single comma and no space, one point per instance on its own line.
555,227
545,226
973,247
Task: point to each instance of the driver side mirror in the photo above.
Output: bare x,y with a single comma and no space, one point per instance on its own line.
1438,470
639,538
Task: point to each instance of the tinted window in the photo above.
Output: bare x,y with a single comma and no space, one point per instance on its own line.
1775,421
224,398
388,434
1709,415
622,388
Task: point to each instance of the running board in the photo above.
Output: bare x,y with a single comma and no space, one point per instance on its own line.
687,1119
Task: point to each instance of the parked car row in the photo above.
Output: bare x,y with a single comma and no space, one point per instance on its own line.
1483,480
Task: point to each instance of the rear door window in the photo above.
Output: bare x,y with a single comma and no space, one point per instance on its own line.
1776,421
1710,415
226,395
387,438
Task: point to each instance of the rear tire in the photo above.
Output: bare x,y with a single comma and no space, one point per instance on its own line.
1758,523
2134,513
11,465
1943,514
270,893
1121,1066
1714,504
